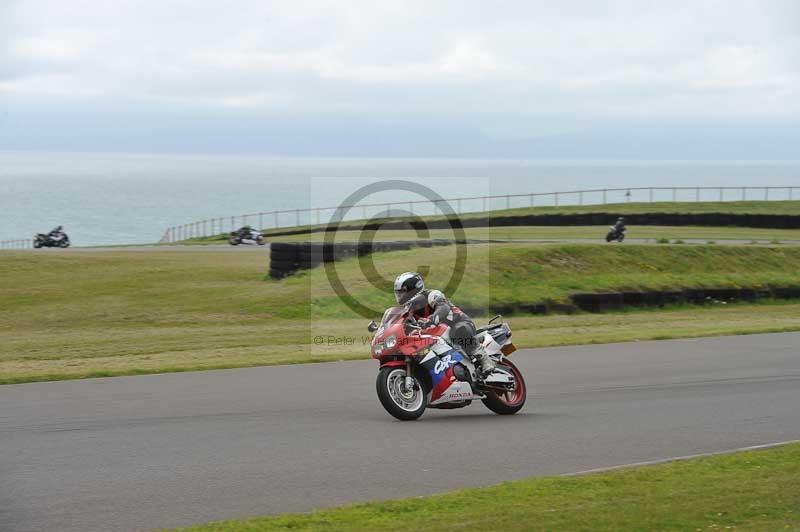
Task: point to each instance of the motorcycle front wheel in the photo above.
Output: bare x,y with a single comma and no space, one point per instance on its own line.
260,241
233,242
405,405
37,244
512,401
63,244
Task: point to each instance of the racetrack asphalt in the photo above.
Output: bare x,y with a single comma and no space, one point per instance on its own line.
135,453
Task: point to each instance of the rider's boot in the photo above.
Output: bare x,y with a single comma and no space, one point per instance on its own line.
485,363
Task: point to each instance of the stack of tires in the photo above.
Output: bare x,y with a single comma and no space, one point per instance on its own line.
287,258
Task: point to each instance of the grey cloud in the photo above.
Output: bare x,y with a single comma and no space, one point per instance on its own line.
494,66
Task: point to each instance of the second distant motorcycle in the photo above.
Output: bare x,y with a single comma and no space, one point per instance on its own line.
246,235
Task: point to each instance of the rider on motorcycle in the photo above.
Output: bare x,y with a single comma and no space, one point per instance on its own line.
436,310
619,227
56,232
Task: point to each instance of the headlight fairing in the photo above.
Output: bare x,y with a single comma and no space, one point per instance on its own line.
391,342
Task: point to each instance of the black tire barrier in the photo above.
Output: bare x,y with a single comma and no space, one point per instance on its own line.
286,258
601,302
695,296
765,221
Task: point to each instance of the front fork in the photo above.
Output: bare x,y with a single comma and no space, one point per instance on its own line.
409,381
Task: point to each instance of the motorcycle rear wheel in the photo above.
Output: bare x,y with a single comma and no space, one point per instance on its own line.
509,402
398,402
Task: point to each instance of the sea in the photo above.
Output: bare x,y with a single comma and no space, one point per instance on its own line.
124,198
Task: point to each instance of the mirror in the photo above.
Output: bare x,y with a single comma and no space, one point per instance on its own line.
372,327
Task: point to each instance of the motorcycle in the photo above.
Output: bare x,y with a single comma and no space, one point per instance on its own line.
420,368
615,234
250,236
51,240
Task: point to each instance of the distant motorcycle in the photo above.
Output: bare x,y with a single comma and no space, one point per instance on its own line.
54,239
615,234
246,235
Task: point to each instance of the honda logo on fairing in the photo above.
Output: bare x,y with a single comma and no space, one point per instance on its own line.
442,364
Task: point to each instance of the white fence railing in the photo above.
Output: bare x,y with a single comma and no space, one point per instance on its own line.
16,244
472,204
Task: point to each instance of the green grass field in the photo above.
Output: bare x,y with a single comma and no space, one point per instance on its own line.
597,233
754,490
113,312
730,207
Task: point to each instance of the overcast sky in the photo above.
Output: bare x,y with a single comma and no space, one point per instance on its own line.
427,78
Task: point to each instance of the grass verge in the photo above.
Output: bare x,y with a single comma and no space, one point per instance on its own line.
592,232
753,490
70,315
703,207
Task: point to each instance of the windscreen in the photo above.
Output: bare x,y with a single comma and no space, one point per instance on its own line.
391,314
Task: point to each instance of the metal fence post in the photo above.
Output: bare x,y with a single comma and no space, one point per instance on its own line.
276,220
650,190
484,204
697,194
317,216
508,201
766,193
674,193
791,189
580,198
556,196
